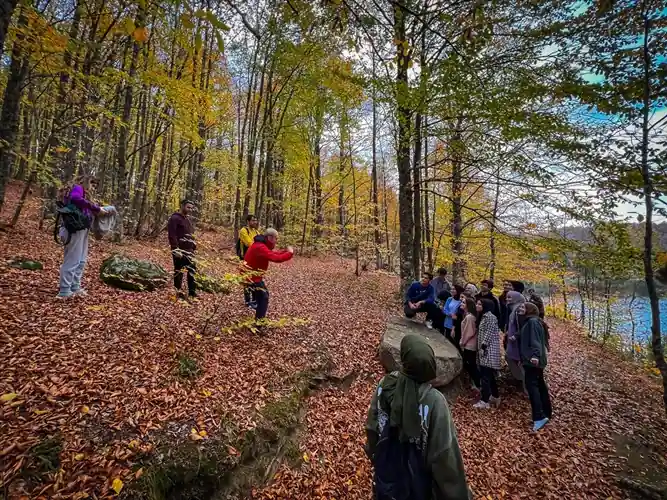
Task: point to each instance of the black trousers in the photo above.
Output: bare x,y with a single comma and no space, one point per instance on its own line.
470,364
433,313
489,385
185,263
261,296
538,392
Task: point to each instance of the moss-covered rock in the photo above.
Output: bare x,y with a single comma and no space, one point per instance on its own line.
23,263
133,274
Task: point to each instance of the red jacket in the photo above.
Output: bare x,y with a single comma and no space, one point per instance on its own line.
259,255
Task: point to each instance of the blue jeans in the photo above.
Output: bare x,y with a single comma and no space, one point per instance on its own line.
74,261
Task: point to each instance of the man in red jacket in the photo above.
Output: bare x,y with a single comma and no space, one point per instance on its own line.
256,263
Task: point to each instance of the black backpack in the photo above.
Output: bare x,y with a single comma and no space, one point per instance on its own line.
400,469
73,219
239,253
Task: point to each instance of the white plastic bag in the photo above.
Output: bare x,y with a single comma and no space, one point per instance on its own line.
104,223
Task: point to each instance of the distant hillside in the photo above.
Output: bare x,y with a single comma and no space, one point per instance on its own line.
583,233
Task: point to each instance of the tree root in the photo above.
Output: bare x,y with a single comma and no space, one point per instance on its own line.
646,490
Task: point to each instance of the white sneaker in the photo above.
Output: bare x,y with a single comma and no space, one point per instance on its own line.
81,292
429,325
495,402
481,405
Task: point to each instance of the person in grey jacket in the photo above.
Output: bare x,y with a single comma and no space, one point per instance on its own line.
533,346
442,287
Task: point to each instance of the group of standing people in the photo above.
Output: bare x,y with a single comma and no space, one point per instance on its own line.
411,437
254,249
473,319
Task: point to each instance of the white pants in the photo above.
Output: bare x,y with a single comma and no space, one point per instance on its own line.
74,262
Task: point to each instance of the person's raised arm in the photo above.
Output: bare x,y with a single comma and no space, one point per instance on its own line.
76,196
276,255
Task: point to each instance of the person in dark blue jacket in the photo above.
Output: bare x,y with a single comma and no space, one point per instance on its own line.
420,297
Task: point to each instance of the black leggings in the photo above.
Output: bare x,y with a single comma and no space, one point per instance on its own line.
470,364
489,385
538,392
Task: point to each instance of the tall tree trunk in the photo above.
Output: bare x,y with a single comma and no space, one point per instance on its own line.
374,181
458,266
354,211
10,115
26,136
494,220
654,300
319,214
341,173
242,141
427,215
406,221
305,218
254,133
6,10
416,206
121,154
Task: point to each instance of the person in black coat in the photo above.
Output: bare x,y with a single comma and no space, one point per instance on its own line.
486,293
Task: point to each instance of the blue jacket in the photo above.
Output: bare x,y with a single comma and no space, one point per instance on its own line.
417,293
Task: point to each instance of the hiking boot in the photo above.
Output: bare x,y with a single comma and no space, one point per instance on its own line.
495,402
481,405
537,425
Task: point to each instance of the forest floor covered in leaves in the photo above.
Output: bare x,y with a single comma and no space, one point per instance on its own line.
139,394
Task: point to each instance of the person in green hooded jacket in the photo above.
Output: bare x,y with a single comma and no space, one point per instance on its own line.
420,413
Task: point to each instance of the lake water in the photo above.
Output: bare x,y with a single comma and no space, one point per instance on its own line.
622,324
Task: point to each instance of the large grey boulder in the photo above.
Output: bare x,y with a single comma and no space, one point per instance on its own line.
133,274
449,363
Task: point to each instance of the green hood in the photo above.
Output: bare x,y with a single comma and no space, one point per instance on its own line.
400,392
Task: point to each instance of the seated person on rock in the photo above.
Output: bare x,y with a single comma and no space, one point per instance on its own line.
420,297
